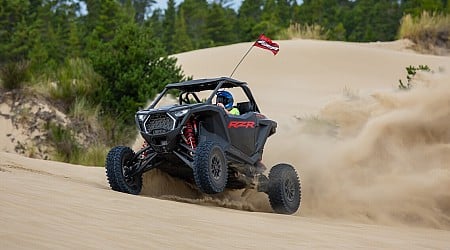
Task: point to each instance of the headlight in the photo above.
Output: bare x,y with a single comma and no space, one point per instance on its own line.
181,113
141,117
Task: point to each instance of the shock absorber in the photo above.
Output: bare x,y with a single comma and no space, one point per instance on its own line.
145,153
189,132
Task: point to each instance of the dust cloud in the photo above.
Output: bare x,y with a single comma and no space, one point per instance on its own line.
160,185
381,157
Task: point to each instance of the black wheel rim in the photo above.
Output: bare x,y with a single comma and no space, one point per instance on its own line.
289,190
216,167
126,169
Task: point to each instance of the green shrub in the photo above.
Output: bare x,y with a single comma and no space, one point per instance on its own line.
75,77
67,149
13,75
135,68
117,129
411,72
66,146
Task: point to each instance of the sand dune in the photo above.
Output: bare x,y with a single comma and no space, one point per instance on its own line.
373,161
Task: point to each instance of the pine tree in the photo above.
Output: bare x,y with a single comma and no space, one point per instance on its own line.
220,25
270,19
416,7
285,10
249,14
195,12
14,32
169,26
141,7
181,40
107,17
155,23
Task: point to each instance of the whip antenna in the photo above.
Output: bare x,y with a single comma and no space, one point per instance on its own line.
242,59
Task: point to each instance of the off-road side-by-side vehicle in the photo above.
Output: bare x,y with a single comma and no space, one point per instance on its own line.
196,140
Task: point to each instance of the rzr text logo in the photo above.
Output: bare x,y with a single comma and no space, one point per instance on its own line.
241,124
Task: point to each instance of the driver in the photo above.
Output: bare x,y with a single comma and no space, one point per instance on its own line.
225,100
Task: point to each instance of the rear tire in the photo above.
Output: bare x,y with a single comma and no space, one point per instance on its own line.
210,168
118,164
284,189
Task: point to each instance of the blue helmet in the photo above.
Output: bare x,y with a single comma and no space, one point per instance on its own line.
226,98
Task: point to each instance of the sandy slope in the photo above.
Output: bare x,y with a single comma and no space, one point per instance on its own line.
48,205
373,162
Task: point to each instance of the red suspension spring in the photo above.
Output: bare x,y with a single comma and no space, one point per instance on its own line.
189,132
145,153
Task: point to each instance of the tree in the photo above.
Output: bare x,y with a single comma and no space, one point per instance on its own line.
155,23
103,19
338,33
285,9
195,13
270,19
141,7
220,25
326,13
181,40
53,33
93,13
169,26
64,22
249,15
135,67
371,20
14,32
416,7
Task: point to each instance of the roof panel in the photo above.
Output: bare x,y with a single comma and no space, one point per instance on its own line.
205,84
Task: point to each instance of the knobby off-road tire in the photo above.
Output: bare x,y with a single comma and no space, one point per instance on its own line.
210,168
284,189
118,162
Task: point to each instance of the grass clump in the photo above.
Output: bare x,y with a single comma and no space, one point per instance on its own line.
114,132
13,75
74,78
429,32
65,143
87,113
69,150
95,155
299,31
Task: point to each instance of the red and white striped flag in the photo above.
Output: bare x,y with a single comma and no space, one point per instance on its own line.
265,43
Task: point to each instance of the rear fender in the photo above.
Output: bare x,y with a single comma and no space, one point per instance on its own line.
266,128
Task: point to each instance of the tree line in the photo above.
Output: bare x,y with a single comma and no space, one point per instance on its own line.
196,24
47,31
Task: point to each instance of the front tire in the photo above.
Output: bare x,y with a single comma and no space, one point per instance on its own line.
284,189
210,168
118,165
